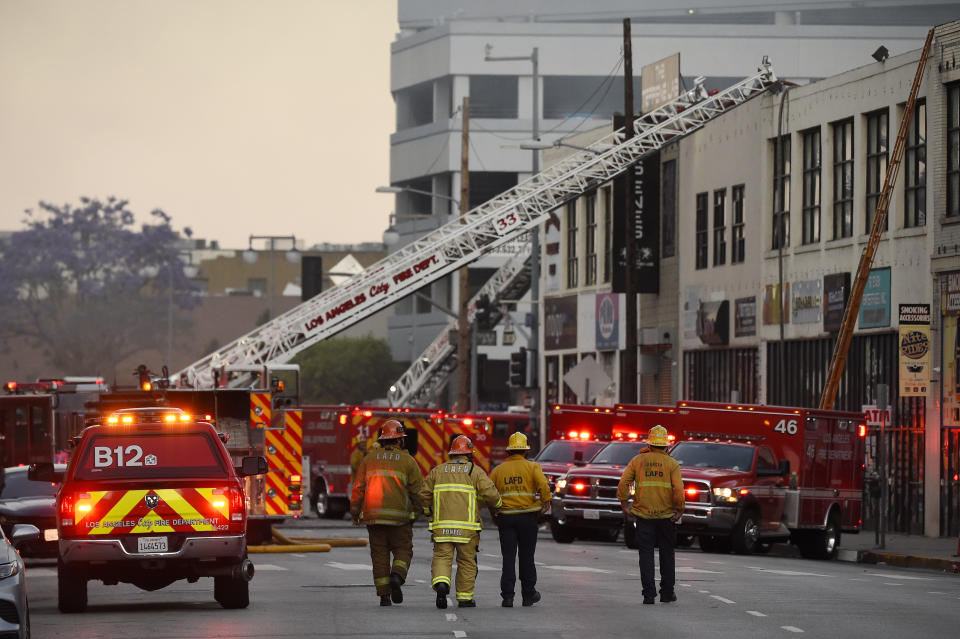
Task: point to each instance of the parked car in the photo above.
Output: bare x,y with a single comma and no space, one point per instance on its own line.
23,501
14,611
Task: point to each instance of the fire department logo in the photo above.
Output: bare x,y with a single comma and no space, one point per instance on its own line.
150,460
152,501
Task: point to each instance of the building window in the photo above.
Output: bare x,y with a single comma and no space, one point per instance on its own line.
843,179
669,208
953,150
811,186
590,278
572,264
738,250
877,157
781,192
719,228
607,235
702,238
915,184
493,96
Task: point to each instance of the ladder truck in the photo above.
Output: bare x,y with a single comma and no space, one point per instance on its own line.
503,219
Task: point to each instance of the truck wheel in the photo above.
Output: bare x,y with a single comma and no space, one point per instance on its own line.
321,503
822,544
746,534
684,541
336,508
561,534
231,592
71,589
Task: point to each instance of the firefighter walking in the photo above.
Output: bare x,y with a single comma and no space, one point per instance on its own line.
658,503
386,497
451,495
525,493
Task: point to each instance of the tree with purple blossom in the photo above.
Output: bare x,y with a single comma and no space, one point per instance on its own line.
87,289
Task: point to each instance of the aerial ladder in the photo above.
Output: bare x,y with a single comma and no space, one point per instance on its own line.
482,230
429,373
839,359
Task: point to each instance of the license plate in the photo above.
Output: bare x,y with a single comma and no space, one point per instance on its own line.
591,514
50,534
151,544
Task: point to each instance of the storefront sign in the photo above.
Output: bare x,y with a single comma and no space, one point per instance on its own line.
875,306
607,321
745,321
836,290
807,302
560,322
645,207
771,304
914,350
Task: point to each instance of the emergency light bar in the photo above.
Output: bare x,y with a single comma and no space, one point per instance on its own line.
728,437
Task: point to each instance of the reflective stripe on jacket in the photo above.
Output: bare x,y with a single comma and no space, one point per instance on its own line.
521,484
658,485
386,489
450,492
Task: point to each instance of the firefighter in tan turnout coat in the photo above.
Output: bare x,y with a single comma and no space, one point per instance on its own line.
386,497
451,495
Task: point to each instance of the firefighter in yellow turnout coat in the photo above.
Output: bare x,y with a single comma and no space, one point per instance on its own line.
386,497
451,493
525,493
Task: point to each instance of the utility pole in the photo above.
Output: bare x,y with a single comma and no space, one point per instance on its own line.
464,354
628,390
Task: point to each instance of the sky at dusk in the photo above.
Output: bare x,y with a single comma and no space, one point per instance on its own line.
236,117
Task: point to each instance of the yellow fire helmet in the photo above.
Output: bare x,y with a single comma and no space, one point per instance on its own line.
518,441
657,436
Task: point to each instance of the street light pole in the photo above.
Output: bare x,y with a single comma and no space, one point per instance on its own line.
535,421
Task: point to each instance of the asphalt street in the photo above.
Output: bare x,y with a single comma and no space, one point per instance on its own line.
589,589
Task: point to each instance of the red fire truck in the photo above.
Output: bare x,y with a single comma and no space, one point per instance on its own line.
571,421
754,475
330,434
502,425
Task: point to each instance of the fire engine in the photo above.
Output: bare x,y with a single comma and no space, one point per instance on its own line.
754,475
331,433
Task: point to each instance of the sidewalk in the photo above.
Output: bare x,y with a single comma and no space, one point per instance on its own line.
908,551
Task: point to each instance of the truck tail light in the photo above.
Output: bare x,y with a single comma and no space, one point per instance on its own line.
863,430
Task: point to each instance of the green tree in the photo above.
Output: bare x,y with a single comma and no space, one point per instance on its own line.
347,370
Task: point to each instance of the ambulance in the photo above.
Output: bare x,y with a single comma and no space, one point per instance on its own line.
754,475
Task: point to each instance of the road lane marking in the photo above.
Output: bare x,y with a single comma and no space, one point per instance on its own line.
686,585
700,570
723,599
891,575
934,592
268,567
420,581
791,629
489,554
890,583
459,633
756,613
788,573
337,564
580,569
451,616
705,592
300,555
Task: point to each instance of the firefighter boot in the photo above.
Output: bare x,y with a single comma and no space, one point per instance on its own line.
385,600
442,591
395,593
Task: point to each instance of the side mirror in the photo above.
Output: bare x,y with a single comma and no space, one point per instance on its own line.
24,534
254,465
44,471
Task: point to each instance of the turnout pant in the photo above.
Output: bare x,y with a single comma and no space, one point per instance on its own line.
518,533
385,540
442,566
662,533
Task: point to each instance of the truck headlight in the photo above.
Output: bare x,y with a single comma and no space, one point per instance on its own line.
561,484
724,494
9,570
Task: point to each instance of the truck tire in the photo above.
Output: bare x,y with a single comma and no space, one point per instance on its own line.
71,589
336,508
746,533
822,544
231,592
321,501
561,534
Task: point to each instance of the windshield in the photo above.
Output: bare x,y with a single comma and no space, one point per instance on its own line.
564,451
618,453
150,456
711,455
14,484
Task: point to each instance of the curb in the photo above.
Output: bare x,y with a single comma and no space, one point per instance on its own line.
907,561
